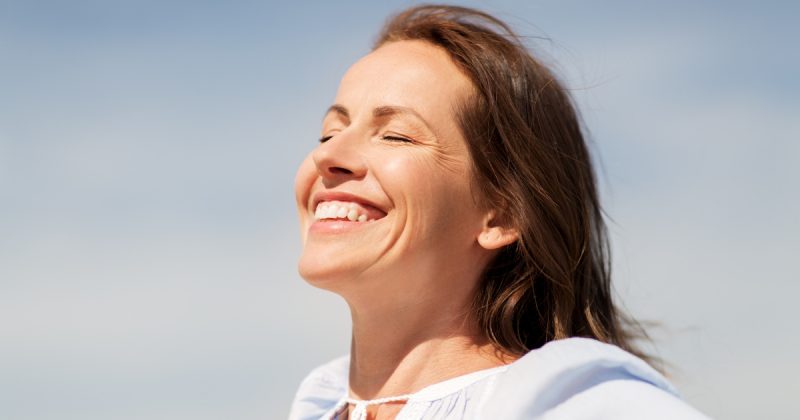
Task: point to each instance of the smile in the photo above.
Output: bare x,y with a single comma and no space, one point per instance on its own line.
344,211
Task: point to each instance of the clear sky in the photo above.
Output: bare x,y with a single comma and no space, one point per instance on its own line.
148,238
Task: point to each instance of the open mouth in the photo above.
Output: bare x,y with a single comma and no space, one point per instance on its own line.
346,211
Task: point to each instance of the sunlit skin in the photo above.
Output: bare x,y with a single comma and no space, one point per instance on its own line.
392,140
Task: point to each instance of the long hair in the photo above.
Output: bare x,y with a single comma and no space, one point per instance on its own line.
531,162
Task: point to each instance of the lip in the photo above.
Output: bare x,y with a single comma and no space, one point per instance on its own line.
337,226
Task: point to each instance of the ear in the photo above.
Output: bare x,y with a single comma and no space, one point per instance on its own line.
496,233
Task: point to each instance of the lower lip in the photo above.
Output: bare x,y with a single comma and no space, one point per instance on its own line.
337,226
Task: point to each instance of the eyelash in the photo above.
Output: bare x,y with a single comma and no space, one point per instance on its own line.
388,138
397,139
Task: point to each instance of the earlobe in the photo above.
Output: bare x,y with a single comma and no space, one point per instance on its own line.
495,235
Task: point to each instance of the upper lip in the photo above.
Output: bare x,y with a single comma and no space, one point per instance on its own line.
342,196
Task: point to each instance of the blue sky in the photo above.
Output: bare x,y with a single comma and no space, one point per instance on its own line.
147,230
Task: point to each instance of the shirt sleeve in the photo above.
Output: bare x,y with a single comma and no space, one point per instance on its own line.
320,391
623,400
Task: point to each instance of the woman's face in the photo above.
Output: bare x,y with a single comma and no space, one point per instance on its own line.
385,199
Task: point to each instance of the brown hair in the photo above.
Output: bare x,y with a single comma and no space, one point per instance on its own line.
530,160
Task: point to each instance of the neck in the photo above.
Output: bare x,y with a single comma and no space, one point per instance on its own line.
399,351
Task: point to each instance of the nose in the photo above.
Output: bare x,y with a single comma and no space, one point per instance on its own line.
339,158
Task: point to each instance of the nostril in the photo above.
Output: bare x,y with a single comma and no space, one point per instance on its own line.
339,170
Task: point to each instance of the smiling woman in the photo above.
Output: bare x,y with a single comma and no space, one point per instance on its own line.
451,202
408,175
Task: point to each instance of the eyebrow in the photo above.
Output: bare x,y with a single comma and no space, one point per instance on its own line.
339,109
380,112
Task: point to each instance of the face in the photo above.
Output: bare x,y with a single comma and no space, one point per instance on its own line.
385,199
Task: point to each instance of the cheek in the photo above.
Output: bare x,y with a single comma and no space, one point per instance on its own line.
408,181
437,200
303,180
401,173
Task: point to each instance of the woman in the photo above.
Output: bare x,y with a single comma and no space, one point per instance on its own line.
452,203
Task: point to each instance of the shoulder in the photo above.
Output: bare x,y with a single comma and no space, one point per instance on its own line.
621,399
321,390
580,378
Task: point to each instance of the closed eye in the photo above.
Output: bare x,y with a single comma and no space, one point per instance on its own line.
397,138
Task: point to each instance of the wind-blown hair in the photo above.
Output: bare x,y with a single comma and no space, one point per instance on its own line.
530,161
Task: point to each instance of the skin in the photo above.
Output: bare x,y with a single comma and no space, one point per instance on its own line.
409,276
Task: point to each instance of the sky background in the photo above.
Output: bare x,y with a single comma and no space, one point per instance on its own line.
148,237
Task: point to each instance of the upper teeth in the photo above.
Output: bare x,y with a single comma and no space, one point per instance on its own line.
349,211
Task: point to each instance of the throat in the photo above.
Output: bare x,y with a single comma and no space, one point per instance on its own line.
391,371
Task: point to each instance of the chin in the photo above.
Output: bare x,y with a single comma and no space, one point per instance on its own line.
326,273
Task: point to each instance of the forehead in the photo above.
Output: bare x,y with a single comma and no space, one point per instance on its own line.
413,74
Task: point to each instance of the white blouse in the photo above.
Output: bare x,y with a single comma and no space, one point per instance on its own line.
575,379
